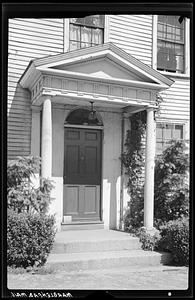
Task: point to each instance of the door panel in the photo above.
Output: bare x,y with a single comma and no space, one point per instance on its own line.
72,206
91,194
72,156
82,173
82,202
91,167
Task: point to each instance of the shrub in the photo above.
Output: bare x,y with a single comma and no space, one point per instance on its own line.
30,237
21,169
149,240
175,239
21,194
171,193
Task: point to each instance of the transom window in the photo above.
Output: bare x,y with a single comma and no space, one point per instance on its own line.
165,133
86,32
81,116
170,43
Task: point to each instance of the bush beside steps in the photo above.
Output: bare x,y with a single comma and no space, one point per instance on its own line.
30,237
171,237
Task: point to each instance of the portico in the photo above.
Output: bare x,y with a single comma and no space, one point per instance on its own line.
118,85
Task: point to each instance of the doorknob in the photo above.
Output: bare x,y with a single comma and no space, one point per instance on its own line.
82,157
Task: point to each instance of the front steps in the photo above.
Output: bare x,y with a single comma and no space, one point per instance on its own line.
100,249
82,226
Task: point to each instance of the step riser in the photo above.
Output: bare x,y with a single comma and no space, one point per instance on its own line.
96,246
109,263
81,227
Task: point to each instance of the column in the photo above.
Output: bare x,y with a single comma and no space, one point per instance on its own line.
35,141
35,131
149,170
46,149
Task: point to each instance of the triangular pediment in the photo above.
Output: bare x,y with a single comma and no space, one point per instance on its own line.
105,62
104,68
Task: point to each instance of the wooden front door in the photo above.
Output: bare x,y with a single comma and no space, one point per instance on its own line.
82,174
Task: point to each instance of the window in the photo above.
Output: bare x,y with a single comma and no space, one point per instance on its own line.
170,44
80,116
86,32
165,133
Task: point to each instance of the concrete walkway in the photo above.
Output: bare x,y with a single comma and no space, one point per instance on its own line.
126,278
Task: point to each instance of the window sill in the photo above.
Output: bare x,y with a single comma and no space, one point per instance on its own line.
176,75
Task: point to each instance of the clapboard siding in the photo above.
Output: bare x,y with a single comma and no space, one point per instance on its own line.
176,101
132,33
36,38
27,39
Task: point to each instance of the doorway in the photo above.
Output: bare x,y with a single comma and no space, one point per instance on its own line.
82,174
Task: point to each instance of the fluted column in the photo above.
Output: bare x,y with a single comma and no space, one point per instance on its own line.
46,149
149,170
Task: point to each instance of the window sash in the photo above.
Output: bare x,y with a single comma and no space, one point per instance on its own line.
167,132
96,21
86,32
170,44
170,56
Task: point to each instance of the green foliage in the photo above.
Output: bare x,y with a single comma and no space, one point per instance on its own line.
175,239
133,161
149,240
21,169
30,237
171,193
21,193
30,232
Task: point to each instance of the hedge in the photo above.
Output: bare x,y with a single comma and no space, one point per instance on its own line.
30,237
175,239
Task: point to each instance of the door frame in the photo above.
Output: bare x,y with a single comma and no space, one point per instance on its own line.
101,153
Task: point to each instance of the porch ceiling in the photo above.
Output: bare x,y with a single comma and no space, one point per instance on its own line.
104,74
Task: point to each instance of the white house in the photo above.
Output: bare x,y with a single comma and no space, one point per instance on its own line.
72,85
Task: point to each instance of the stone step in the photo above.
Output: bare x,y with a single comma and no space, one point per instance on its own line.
94,241
106,259
82,226
129,243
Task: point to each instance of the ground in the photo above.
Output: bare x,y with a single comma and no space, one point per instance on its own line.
128,278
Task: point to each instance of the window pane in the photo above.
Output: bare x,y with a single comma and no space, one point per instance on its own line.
86,34
168,132
85,45
74,32
171,20
178,132
159,147
161,18
97,36
179,53
166,56
74,45
91,21
159,135
77,20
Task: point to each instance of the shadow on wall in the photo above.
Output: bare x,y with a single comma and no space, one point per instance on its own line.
18,122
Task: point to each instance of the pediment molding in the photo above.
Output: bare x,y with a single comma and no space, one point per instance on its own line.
103,72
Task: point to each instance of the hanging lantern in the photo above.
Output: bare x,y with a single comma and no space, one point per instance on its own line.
92,117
